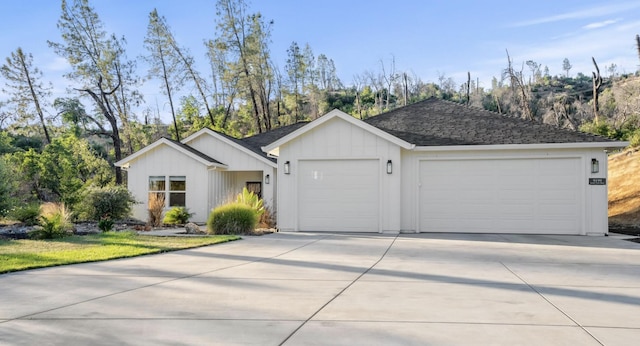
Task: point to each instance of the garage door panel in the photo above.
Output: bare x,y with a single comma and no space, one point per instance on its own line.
500,196
338,195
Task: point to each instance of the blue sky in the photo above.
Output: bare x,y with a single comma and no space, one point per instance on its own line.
427,38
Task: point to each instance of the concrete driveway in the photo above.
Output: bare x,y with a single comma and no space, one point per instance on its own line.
327,289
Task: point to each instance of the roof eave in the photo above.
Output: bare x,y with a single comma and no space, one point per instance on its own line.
230,142
583,145
127,160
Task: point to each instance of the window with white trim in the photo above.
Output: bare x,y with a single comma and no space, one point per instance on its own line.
172,190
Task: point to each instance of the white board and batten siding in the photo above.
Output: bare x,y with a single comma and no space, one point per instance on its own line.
245,165
526,192
167,161
338,181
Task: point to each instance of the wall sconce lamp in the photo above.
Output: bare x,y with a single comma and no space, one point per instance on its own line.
286,167
267,178
389,167
595,166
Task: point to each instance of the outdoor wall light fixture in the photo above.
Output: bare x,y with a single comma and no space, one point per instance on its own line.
595,166
286,167
267,178
389,167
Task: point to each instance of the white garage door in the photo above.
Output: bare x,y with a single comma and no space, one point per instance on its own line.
501,196
339,195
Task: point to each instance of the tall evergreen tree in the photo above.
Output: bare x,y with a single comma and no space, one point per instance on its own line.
242,43
25,88
162,64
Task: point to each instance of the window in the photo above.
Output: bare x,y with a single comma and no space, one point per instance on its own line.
176,190
157,189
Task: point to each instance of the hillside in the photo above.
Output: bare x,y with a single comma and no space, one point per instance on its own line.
624,188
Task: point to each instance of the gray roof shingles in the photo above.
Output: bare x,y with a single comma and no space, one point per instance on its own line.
195,151
434,122
256,142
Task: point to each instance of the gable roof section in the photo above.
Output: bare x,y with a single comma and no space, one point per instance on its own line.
183,148
436,122
273,148
234,142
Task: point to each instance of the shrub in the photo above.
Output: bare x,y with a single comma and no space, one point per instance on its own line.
232,218
156,207
105,224
267,219
114,202
27,214
252,200
7,186
634,138
54,222
177,215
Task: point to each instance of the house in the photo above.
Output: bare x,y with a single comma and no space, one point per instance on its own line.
433,166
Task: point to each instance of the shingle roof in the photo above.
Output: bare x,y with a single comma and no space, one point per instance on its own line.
195,151
256,142
436,122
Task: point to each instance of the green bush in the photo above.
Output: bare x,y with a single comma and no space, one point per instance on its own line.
7,186
634,138
232,218
177,215
105,225
252,200
27,214
112,202
54,222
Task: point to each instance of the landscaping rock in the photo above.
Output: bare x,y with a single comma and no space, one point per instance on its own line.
17,231
192,228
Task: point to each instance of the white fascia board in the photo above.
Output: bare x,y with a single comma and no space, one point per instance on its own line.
273,148
584,145
163,141
125,161
196,135
229,142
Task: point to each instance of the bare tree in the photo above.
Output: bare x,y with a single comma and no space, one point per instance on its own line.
566,65
520,90
638,45
597,84
389,78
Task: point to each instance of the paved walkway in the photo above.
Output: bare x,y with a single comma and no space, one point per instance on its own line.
320,289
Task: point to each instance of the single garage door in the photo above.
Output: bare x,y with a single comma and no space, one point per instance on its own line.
534,196
339,195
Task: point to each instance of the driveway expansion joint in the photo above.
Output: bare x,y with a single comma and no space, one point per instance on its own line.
554,305
341,291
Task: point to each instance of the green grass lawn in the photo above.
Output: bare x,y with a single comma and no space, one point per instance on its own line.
29,254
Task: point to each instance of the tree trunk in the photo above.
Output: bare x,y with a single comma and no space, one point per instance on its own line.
23,64
597,83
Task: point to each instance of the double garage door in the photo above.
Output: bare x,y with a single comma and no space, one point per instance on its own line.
500,196
541,195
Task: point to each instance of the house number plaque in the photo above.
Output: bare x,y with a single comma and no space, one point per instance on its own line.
597,181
